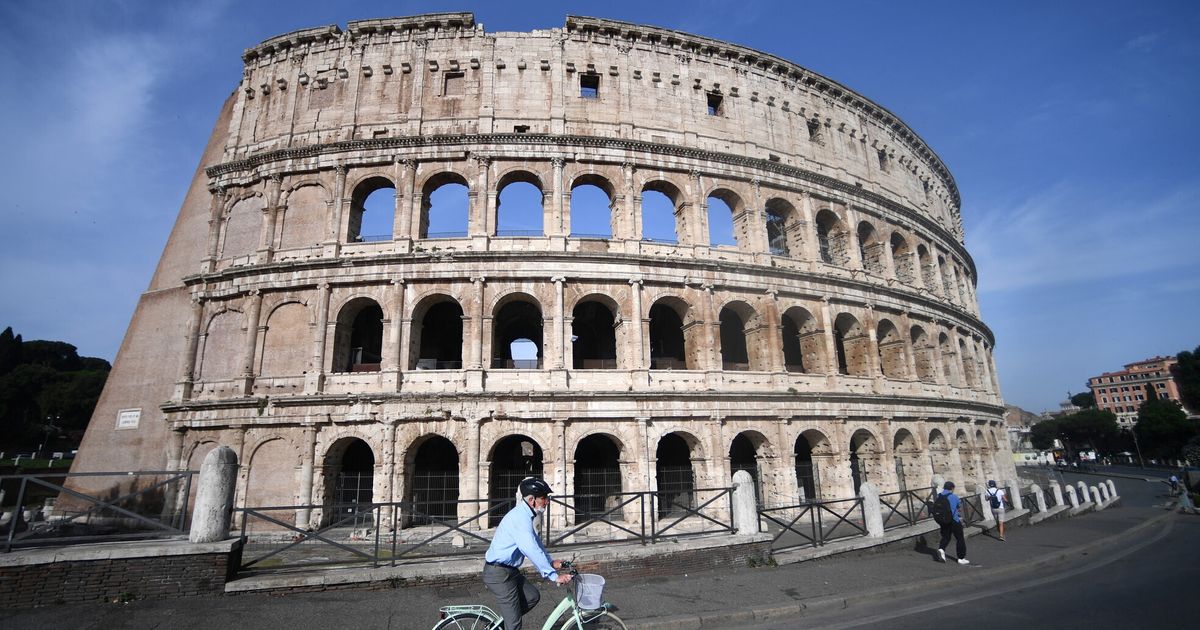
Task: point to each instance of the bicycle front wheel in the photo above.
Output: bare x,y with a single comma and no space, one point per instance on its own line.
600,621
465,621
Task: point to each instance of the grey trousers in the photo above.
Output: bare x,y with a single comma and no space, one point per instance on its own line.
514,593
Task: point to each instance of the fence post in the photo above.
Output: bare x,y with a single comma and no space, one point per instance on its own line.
985,507
1014,494
1056,490
1103,492
1039,497
1096,496
938,482
745,507
214,498
1074,501
1112,488
1084,497
872,516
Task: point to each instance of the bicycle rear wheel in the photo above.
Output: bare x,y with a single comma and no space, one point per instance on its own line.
464,621
603,621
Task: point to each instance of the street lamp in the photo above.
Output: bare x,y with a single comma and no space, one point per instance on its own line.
1137,447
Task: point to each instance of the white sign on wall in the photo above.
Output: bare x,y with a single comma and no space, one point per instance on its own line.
128,418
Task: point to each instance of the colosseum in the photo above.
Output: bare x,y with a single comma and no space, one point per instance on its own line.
421,261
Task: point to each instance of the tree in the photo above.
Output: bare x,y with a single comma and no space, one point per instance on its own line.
1187,372
1093,428
1043,434
1084,400
1163,426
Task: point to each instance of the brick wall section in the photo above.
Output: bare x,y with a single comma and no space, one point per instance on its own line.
27,586
685,561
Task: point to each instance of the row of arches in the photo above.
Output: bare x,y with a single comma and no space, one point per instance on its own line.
656,207
676,332
434,472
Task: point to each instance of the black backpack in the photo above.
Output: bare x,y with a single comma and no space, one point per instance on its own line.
940,510
993,499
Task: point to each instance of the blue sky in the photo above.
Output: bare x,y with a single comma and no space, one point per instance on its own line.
1070,128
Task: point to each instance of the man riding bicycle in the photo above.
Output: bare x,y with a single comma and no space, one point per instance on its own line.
514,541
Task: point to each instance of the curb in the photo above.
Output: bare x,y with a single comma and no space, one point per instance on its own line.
778,612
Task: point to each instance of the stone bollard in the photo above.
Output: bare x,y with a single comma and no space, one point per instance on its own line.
1084,497
214,497
1014,494
745,507
1103,492
1071,498
1096,495
1039,497
938,482
1112,488
985,508
872,515
1056,490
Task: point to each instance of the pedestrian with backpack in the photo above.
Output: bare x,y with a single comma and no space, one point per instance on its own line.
945,514
996,497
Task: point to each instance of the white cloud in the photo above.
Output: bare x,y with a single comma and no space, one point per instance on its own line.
1066,234
1143,42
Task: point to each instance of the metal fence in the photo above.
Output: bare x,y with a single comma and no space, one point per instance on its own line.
131,506
276,538
814,523
906,508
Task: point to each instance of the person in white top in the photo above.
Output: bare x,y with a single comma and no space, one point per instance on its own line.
996,497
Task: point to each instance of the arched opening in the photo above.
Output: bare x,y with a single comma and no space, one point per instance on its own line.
808,472
439,336
591,208
864,459
852,345
870,249
949,358
674,474
893,360
723,206
372,211
902,260
519,210
968,365
743,455
928,273
434,481
966,460
594,333
350,476
782,239
445,204
831,238
513,458
947,278
517,335
597,477
734,356
358,338
658,214
803,344
923,355
909,470
939,454
668,346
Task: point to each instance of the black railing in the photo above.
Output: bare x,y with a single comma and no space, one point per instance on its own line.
1029,502
971,509
814,524
589,235
667,363
436,364
132,506
451,234
523,233
906,508
278,538
372,238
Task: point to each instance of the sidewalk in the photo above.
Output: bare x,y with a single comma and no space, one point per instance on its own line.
725,598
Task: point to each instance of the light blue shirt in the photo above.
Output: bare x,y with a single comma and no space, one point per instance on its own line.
515,540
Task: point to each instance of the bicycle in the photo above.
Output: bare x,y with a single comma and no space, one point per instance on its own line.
480,617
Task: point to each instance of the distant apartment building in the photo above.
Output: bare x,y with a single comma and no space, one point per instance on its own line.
1124,392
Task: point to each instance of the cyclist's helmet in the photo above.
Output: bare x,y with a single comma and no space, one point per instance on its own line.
534,487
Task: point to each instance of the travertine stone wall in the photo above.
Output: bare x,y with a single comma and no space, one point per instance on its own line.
851,325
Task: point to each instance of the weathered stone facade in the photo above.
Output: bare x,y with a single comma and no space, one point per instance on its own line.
841,334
